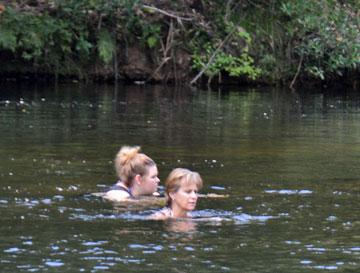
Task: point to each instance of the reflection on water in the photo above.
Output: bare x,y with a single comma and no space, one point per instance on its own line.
181,225
288,162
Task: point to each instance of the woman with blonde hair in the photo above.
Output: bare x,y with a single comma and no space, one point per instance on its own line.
181,192
137,173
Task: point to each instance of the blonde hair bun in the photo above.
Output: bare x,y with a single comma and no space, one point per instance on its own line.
126,154
129,162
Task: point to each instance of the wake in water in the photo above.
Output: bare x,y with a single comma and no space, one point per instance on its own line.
209,216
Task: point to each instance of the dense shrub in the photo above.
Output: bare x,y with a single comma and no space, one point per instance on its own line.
258,40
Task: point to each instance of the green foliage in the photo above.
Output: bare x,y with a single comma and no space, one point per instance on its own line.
64,41
7,39
106,46
325,34
231,55
83,46
318,38
242,65
151,34
45,40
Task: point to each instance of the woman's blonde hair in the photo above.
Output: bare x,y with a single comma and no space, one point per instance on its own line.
177,177
129,162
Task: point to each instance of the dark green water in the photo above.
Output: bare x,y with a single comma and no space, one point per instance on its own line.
289,161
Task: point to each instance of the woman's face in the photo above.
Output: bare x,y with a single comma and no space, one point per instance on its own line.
150,181
185,197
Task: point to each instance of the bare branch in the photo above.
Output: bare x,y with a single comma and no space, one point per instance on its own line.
194,80
297,73
167,13
165,49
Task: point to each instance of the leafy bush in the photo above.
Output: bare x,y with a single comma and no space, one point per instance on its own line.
305,38
235,66
326,35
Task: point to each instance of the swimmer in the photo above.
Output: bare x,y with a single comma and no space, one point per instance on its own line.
137,173
181,192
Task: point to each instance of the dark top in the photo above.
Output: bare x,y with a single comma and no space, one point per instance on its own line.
117,187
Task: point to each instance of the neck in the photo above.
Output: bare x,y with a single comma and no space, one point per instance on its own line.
122,184
136,191
178,212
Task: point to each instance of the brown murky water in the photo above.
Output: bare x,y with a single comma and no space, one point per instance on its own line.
288,161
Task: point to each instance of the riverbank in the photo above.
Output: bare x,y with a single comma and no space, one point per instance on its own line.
190,42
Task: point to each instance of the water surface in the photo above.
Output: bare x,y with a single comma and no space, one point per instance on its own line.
288,161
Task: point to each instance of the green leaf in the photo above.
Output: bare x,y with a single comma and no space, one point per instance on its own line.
8,39
83,46
151,41
106,46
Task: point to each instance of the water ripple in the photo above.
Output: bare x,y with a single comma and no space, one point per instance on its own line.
13,250
289,192
54,263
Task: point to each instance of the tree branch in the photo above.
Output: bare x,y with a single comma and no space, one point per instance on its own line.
194,80
167,13
297,72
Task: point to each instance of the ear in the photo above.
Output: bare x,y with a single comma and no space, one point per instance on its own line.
137,179
172,196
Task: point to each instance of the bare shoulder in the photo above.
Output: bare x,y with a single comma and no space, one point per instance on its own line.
122,198
116,195
162,214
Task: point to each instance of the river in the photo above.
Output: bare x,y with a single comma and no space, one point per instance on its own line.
286,160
